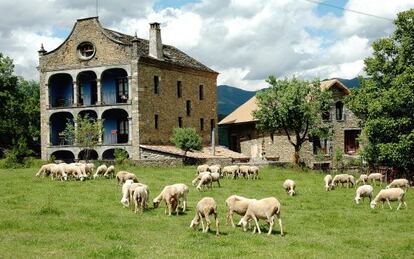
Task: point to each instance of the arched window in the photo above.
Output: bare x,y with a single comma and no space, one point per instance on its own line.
339,111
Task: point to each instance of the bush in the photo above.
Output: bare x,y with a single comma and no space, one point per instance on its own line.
17,156
120,156
186,139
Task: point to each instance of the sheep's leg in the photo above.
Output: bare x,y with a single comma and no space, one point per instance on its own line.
389,204
218,182
399,205
201,220
257,224
230,218
271,222
136,205
208,222
280,225
217,224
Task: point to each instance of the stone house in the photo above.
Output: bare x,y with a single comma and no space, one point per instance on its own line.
240,128
141,89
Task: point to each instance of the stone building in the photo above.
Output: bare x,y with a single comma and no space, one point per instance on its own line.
142,89
245,138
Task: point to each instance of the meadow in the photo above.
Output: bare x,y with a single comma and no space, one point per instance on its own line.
41,218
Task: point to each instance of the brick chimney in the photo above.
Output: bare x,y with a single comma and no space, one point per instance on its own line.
155,43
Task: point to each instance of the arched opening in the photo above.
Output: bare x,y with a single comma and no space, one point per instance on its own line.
114,83
339,111
58,123
110,154
87,88
115,126
64,155
88,154
61,90
89,114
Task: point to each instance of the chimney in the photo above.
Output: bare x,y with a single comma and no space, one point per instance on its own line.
155,43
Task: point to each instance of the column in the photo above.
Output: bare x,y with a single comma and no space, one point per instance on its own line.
129,89
99,91
129,130
47,96
75,93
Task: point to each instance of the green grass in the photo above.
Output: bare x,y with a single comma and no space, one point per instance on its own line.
44,218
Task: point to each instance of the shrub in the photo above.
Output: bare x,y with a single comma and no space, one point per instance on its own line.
120,156
186,139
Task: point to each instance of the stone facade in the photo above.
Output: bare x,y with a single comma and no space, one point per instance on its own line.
112,78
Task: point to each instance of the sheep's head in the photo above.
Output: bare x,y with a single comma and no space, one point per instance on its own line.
155,203
194,223
357,199
243,223
373,204
291,192
125,202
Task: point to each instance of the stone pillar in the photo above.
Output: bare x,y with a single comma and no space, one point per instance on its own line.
129,130
99,91
129,89
47,96
75,93
75,141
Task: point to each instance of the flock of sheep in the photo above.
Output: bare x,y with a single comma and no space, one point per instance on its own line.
175,195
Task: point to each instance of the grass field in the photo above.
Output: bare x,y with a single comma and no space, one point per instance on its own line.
44,218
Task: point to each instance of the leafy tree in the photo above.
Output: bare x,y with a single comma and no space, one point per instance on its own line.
186,139
294,107
385,100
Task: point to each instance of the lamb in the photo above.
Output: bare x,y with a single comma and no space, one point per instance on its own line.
58,172
402,183
198,177
182,193
122,176
363,178
82,167
170,195
376,176
45,170
73,170
244,170
232,170
254,172
289,185
343,178
215,177
100,171
205,180
202,168
237,204
328,182
205,207
364,191
89,167
110,171
267,209
132,190
215,169
140,197
387,195
125,192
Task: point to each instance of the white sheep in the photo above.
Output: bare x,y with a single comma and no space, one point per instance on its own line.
45,170
170,195
387,195
237,204
140,197
125,193
73,170
343,178
205,207
101,170
362,192
205,180
289,186
198,177
122,176
244,171
232,170
110,171
254,172
58,172
215,169
376,176
328,182
182,191
202,168
363,178
267,209
402,183
90,167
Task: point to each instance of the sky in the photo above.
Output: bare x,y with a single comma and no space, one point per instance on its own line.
244,40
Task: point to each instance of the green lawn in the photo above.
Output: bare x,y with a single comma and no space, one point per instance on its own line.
44,218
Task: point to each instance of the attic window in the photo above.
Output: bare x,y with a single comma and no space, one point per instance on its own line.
86,50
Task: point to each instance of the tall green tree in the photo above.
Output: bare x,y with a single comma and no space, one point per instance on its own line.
186,139
385,100
293,107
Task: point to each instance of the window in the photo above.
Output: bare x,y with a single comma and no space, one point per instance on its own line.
339,111
180,122
156,84
123,127
86,50
156,121
351,141
122,88
179,89
326,116
188,107
212,124
201,124
201,92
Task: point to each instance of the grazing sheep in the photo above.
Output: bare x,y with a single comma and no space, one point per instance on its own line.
101,170
387,195
244,171
170,195
45,170
122,176
205,207
328,182
363,178
140,197
215,169
182,191
82,167
73,170
125,192
202,168
343,178
215,177
402,183
132,191
90,167
289,186
110,171
267,209
232,170
254,172
205,180
364,191
58,172
376,176
198,177
237,204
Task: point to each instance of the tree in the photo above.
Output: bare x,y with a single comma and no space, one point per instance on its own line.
86,133
186,139
294,107
385,100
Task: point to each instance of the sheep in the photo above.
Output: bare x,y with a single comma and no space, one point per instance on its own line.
343,178
289,185
205,180
237,204
363,178
328,182
132,188
254,172
205,207
387,195
125,193
122,176
58,172
364,191
110,171
402,183
244,170
215,169
267,209
73,170
140,197
89,168
202,168
170,195
182,191
376,176
83,169
101,170
45,170
232,170
198,177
